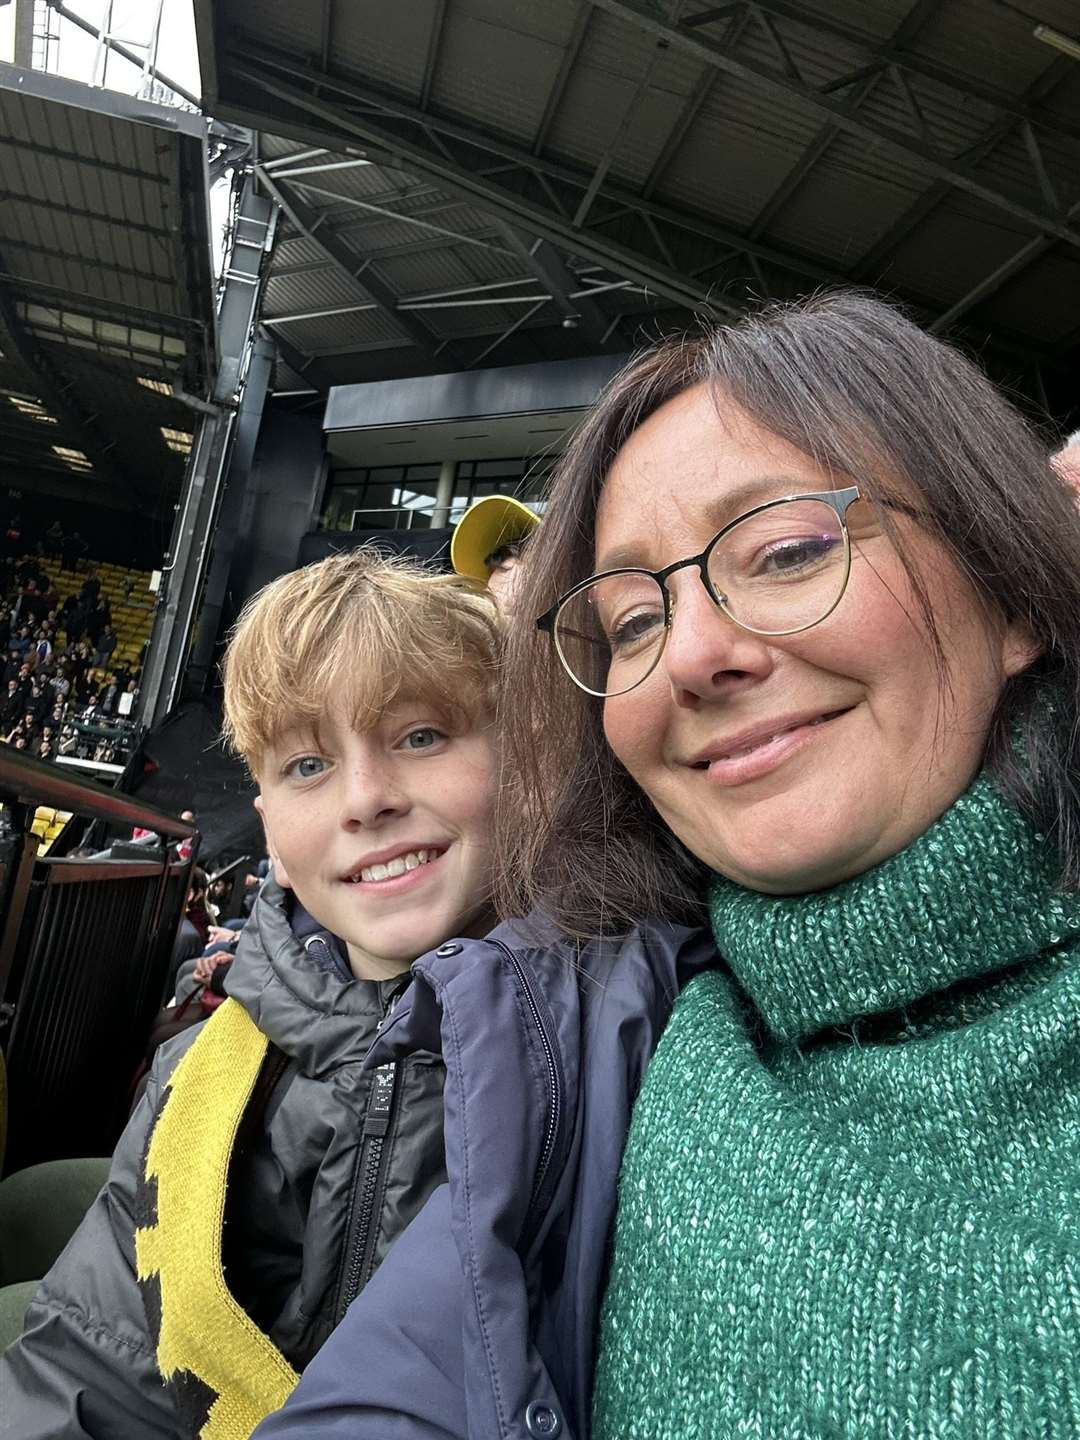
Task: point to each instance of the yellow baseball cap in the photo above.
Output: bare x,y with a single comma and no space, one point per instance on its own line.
485,527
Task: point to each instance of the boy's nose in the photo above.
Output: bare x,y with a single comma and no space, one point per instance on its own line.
371,797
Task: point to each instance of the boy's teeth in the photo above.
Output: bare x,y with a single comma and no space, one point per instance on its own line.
398,866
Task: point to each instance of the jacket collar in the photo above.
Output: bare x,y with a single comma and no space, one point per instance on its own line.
291,978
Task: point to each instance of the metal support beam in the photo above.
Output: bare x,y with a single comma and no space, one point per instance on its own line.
869,266
892,52
538,220
138,61
194,530
444,495
253,241
562,75
227,536
309,223
549,268
640,15
305,365
434,43
861,86
1019,260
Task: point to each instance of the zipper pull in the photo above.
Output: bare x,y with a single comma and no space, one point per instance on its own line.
380,1101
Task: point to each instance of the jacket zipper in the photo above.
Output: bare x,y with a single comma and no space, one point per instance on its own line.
551,1132
369,1182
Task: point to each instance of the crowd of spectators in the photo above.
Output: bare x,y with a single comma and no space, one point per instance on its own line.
60,693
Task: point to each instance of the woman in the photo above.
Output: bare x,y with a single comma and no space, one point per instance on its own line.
848,1199
848,725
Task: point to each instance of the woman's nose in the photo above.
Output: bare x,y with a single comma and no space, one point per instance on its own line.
707,654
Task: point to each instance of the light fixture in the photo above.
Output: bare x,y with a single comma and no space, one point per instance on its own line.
1067,44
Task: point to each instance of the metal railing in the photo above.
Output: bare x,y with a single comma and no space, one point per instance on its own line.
85,947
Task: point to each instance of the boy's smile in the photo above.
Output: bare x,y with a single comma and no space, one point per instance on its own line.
384,834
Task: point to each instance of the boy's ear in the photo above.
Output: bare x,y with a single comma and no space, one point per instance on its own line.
279,871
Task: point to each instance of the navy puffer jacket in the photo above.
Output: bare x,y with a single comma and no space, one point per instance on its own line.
481,1323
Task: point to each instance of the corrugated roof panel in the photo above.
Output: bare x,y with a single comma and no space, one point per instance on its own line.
445,269
387,44
1010,170
474,320
551,21
727,166
363,327
991,43
293,249
1043,300
291,27
490,77
876,19
961,243
313,290
838,214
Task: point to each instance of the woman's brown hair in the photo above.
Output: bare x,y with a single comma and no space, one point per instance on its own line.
855,385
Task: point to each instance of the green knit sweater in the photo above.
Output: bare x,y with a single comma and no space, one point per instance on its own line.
850,1201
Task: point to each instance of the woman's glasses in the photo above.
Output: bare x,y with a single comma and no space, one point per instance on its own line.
778,569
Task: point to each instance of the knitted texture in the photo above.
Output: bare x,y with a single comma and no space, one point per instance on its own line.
850,1200
225,1373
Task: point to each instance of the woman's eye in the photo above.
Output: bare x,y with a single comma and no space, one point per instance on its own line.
306,767
793,556
423,739
636,629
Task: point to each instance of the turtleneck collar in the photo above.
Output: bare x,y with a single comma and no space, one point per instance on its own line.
972,895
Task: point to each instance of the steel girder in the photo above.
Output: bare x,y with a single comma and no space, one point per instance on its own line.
936,164
307,222
540,195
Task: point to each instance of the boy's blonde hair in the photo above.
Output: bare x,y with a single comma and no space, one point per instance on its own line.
361,629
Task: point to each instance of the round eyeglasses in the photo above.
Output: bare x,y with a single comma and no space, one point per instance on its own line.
775,570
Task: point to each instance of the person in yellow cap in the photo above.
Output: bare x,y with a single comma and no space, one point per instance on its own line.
488,541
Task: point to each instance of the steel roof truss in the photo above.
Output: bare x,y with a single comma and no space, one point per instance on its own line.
892,52
640,15
549,268
461,177
868,268
308,222
860,85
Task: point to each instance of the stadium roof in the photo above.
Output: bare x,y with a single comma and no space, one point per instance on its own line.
496,181
106,289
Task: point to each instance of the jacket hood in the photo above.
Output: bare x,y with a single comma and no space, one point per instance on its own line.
290,976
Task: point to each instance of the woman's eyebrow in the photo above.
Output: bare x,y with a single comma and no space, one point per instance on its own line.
716,512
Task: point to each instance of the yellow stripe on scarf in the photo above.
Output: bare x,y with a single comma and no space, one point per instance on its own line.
203,1329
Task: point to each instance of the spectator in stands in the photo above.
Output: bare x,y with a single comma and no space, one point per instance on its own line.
39,701
21,642
54,540
489,541
74,547
13,706
42,650
99,617
106,644
360,691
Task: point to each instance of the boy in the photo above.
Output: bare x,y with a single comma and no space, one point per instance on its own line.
262,1180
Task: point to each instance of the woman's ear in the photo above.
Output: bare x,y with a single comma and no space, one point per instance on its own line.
1019,648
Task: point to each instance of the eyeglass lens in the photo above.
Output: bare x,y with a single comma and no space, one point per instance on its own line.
775,572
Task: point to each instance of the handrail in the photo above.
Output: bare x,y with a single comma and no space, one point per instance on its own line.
36,782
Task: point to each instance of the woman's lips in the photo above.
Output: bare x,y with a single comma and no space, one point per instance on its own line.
768,755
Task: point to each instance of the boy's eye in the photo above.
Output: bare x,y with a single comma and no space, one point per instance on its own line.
422,739
305,767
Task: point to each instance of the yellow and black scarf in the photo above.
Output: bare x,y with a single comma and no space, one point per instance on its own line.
224,1373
